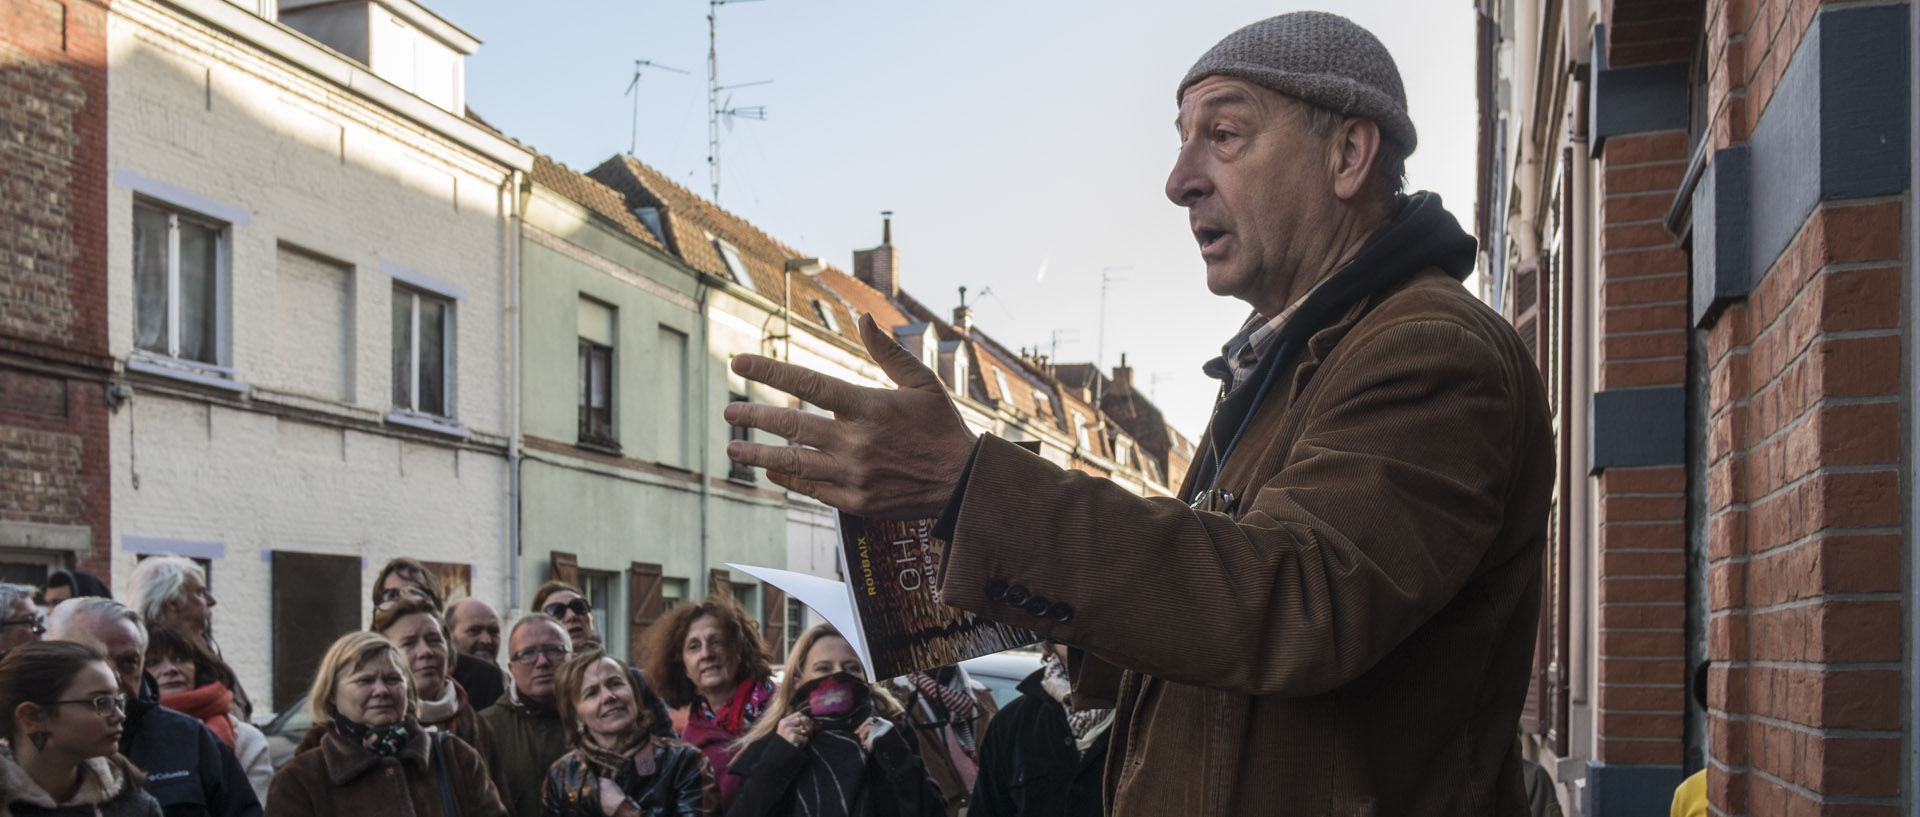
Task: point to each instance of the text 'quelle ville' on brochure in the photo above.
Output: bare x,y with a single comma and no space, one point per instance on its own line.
888,608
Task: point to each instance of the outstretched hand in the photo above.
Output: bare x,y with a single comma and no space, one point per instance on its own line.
885,454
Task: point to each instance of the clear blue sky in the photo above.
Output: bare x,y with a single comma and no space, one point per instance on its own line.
1008,137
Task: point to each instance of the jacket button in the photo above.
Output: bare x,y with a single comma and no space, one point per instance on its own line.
996,589
1017,595
1037,605
1060,611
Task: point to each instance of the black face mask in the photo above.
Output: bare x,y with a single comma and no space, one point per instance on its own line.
838,702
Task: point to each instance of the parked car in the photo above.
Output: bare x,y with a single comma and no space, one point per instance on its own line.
285,731
1002,672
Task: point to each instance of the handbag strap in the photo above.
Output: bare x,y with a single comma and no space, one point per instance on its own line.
446,785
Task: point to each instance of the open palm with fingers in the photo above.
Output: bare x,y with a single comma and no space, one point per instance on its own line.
886,453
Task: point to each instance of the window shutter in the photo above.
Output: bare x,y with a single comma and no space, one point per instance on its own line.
564,567
720,583
645,605
775,619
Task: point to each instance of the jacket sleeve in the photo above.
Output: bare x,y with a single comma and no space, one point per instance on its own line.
992,794
907,775
1397,483
553,795
250,748
288,796
767,770
695,794
225,784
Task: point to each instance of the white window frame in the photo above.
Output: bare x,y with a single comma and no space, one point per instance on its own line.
177,202
730,258
825,313
416,285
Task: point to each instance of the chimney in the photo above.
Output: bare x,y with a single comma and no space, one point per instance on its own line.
963,314
879,267
1122,376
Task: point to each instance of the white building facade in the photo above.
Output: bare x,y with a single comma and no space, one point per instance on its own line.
311,268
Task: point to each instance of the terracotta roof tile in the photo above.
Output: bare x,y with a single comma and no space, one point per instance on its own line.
596,197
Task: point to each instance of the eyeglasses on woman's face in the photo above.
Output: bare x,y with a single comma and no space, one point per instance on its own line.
559,609
106,706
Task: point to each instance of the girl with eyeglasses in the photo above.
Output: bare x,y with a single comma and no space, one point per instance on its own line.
616,767
378,759
832,745
61,711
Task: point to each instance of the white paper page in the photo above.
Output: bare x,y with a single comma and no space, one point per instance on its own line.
831,599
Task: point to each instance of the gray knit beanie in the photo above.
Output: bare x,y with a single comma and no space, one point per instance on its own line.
1319,58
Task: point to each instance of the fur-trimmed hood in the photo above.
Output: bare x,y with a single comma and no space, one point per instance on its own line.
108,786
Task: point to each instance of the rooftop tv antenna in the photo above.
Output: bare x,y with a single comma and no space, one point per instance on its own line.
717,109
1106,280
637,65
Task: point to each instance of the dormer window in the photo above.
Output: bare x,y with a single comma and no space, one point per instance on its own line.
650,216
736,269
825,314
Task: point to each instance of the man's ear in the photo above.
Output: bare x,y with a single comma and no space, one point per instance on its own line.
1354,149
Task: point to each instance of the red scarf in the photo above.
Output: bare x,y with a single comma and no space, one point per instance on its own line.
212,704
749,700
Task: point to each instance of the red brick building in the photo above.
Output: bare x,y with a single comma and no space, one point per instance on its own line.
54,363
1699,213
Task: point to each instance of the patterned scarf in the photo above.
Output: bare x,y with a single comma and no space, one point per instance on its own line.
834,784
1086,724
960,710
382,741
606,760
749,701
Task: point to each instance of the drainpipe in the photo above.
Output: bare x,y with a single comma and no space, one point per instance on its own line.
520,190
1912,789
706,364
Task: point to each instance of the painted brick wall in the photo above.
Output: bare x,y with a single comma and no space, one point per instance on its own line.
1805,633
1642,326
53,106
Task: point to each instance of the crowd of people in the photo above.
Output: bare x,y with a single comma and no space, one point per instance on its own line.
112,709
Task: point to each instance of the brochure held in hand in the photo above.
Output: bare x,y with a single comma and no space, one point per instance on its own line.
889,608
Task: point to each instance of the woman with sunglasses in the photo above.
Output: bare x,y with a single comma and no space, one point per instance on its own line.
616,768
832,744
568,606
61,709
377,758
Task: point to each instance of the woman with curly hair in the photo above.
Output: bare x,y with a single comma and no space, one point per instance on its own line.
618,768
709,658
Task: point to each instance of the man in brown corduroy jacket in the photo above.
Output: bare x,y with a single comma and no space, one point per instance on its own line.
1337,616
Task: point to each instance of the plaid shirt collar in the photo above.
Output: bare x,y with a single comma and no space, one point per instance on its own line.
1242,355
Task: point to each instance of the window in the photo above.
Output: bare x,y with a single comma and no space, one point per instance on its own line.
673,593
736,269
598,586
739,471
178,260
825,314
673,394
596,373
796,624
1079,429
422,353
1000,378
